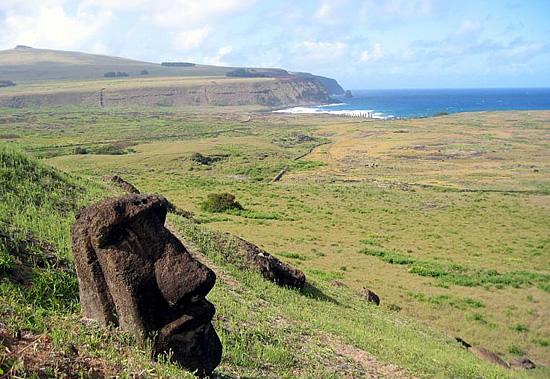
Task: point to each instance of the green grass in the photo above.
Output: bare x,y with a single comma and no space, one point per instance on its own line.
453,274
323,310
469,263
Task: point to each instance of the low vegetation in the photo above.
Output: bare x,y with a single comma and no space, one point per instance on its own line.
449,214
220,202
454,274
6,83
113,74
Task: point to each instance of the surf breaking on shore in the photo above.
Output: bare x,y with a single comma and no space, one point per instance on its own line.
322,109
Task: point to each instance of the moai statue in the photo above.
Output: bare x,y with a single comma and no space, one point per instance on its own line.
135,274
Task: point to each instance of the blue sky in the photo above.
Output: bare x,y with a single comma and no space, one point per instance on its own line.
363,44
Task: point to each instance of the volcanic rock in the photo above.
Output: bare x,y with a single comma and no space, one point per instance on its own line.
524,363
123,184
135,274
370,296
270,267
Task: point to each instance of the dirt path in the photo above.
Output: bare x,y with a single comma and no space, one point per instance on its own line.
366,365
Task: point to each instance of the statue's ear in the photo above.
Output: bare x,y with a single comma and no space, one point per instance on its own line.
180,277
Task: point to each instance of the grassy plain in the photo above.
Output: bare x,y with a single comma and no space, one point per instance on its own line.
121,84
447,218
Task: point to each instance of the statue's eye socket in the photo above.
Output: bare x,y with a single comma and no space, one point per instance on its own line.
114,236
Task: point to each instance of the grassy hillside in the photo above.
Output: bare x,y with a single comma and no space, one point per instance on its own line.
37,77
267,331
24,65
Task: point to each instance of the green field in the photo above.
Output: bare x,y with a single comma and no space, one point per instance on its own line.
446,218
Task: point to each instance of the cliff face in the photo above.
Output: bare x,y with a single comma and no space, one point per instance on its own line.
330,85
273,93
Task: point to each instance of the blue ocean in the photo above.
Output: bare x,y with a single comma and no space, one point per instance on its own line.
411,103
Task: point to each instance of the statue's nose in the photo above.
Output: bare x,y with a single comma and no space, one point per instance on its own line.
181,278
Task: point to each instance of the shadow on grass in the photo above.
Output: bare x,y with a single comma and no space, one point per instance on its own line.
315,293
225,376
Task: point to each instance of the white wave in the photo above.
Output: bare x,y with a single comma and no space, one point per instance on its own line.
362,113
331,105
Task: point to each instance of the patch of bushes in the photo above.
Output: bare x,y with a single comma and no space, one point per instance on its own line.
521,328
178,64
6,83
292,255
207,160
306,164
293,139
110,149
374,240
455,302
113,74
220,202
80,150
327,275
9,136
516,350
246,73
454,274
388,256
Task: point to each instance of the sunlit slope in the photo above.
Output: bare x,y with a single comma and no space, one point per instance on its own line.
24,64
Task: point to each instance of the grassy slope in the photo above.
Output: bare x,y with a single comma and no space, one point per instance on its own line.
122,84
267,331
24,65
301,219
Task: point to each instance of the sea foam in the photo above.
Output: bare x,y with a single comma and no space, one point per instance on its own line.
360,113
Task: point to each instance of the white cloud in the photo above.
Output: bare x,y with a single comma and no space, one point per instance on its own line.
315,53
372,55
334,12
385,10
191,39
218,58
324,11
468,27
99,48
19,5
51,27
523,51
189,14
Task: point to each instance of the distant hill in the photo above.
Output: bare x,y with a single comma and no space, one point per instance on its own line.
40,77
25,64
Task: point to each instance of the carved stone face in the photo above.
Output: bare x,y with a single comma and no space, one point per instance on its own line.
135,274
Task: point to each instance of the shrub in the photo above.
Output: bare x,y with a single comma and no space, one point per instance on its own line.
109,150
516,350
220,202
521,328
6,83
112,74
177,64
80,150
144,72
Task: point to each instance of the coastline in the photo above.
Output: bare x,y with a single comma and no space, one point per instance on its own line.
321,109
414,104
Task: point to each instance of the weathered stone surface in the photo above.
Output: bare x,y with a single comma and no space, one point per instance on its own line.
123,184
488,356
370,296
135,274
522,363
270,267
